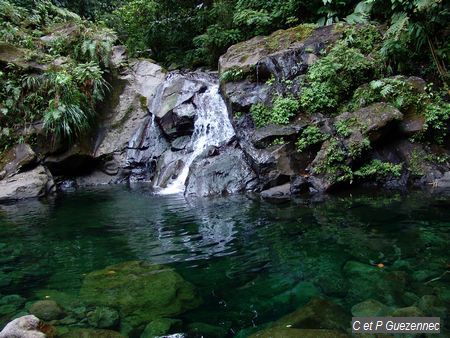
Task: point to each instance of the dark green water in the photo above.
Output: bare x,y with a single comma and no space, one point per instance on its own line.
252,262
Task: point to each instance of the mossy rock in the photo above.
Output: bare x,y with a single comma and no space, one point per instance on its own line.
140,291
285,332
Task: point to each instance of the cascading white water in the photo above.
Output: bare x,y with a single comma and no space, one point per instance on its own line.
212,127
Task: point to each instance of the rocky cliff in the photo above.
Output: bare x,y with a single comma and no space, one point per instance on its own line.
265,123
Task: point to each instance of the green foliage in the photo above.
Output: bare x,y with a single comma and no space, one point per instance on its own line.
260,114
379,170
357,147
277,142
283,109
437,119
334,162
232,75
402,94
333,78
63,95
310,136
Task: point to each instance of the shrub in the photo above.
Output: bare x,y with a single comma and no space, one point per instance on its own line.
283,109
379,170
310,136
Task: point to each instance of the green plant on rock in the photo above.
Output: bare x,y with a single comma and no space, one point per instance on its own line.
312,135
334,163
379,170
357,147
233,75
283,109
333,78
437,119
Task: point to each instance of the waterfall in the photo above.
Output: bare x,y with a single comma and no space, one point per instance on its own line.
212,127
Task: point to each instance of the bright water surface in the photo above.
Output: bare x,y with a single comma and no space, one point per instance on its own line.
248,259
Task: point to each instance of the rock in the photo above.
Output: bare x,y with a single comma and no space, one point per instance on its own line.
174,107
317,314
370,308
410,311
226,173
277,193
262,137
370,121
140,291
90,333
366,281
285,332
103,317
432,306
412,124
35,183
161,327
243,94
18,158
299,185
285,53
19,57
443,182
46,310
180,143
127,111
206,330
118,56
23,327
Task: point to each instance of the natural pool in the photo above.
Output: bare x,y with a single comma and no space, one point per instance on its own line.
251,262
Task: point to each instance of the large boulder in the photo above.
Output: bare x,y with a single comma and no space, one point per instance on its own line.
226,173
23,327
174,107
133,92
284,53
372,121
140,291
34,183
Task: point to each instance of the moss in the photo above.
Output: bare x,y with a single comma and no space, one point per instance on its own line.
143,102
282,39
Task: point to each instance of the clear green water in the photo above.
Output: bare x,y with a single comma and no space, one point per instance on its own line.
251,261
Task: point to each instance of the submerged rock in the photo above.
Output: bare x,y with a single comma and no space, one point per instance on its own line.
370,308
23,327
90,333
285,332
161,327
46,310
103,317
140,291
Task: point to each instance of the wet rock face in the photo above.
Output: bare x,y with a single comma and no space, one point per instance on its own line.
225,173
141,292
174,106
